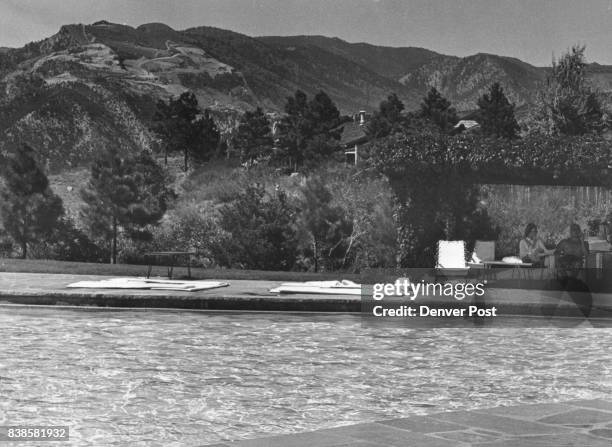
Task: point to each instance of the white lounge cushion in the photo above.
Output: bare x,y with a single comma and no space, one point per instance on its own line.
451,255
344,287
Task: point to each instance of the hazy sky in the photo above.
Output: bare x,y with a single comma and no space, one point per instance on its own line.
532,30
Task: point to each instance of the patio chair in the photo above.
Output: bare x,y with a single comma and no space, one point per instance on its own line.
483,251
451,259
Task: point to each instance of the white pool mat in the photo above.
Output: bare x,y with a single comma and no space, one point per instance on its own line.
148,284
344,287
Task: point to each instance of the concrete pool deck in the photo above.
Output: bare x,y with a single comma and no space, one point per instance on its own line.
50,289
584,423
254,295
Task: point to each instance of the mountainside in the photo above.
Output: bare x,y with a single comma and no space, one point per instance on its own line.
464,80
601,78
461,80
222,66
89,86
390,62
92,85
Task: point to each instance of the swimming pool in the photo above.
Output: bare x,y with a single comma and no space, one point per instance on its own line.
186,379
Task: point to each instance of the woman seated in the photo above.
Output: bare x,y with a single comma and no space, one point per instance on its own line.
571,252
531,248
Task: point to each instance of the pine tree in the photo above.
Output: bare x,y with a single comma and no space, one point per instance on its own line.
253,138
294,128
29,209
184,128
309,132
567,104
164,127
496,113
387,119
203,138
437,109
391,108
325,136
125,194
323,113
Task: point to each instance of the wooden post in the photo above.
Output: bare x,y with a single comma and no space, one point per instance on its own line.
353,152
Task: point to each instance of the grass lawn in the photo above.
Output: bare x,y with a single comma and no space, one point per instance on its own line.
505,279
86,268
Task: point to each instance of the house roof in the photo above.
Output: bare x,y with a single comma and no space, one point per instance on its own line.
468,124
353,134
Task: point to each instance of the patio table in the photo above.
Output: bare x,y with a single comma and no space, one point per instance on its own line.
173,257
487,267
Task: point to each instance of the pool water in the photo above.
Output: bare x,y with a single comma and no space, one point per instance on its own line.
185,379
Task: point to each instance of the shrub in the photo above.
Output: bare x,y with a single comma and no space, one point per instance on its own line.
222,181
6,245
324,225
260,231
367,202
68,243
193,229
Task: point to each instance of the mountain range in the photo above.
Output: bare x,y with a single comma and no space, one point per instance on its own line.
92,85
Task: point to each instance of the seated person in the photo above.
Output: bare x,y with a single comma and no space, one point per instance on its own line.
532,248
571,252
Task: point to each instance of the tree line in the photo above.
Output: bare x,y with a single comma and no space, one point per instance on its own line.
308,133
127,194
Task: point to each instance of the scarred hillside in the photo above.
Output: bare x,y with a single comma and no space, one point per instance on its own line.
90,86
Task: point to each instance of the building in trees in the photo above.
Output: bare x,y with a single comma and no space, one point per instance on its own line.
466,125
353,137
